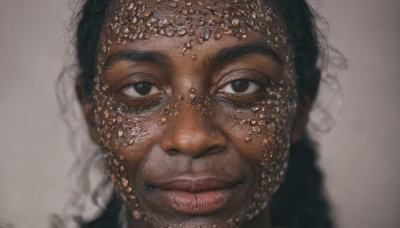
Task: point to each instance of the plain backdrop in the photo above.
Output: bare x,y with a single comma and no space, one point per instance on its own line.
360,156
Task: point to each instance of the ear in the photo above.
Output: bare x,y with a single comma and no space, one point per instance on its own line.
301,118
88,110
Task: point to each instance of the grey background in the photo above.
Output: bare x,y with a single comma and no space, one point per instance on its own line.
360,156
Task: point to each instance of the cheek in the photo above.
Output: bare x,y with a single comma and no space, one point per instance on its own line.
126,139
258,130
264,143
131,138
261,135
251,148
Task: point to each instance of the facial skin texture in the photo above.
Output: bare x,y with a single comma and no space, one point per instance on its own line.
198,137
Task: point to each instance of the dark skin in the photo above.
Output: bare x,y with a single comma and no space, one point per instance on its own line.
192,149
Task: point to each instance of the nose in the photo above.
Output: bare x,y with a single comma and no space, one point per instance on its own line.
193,134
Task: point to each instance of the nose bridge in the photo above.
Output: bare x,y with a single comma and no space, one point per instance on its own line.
192,133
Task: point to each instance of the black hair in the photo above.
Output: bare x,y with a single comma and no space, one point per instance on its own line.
91,22
300,201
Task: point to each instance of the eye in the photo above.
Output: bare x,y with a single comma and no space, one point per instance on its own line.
141,89
241,86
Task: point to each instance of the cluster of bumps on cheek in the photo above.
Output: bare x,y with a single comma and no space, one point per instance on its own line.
133,19
117,130
270,123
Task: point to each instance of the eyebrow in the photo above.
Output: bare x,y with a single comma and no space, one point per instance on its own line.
135,55
238,51
163,59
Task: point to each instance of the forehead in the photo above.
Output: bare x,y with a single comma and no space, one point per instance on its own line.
130,20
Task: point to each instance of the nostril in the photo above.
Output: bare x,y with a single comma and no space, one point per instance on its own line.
173,152
214,150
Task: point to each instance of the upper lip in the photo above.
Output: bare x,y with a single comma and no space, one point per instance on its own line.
195,183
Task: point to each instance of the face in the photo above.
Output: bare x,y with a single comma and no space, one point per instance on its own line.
193,106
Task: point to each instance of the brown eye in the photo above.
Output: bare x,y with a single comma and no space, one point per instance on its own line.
241,86
140,89
143,88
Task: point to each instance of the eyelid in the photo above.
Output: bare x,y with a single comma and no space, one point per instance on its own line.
153,91
131,80
132,104
242,73
123,70
252,86
134,78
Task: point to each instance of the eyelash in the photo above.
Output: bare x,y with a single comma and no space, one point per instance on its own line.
244,99
249,84
135,102
132,89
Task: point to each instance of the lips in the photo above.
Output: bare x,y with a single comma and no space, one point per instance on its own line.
196,195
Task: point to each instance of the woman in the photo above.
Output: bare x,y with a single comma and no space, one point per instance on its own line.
200,109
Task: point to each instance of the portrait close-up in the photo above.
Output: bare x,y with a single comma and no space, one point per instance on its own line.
199,114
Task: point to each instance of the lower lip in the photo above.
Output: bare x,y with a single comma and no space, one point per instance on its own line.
197,203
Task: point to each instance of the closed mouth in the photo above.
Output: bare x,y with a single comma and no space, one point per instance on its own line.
195,195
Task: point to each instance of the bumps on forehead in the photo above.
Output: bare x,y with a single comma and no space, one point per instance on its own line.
201,20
